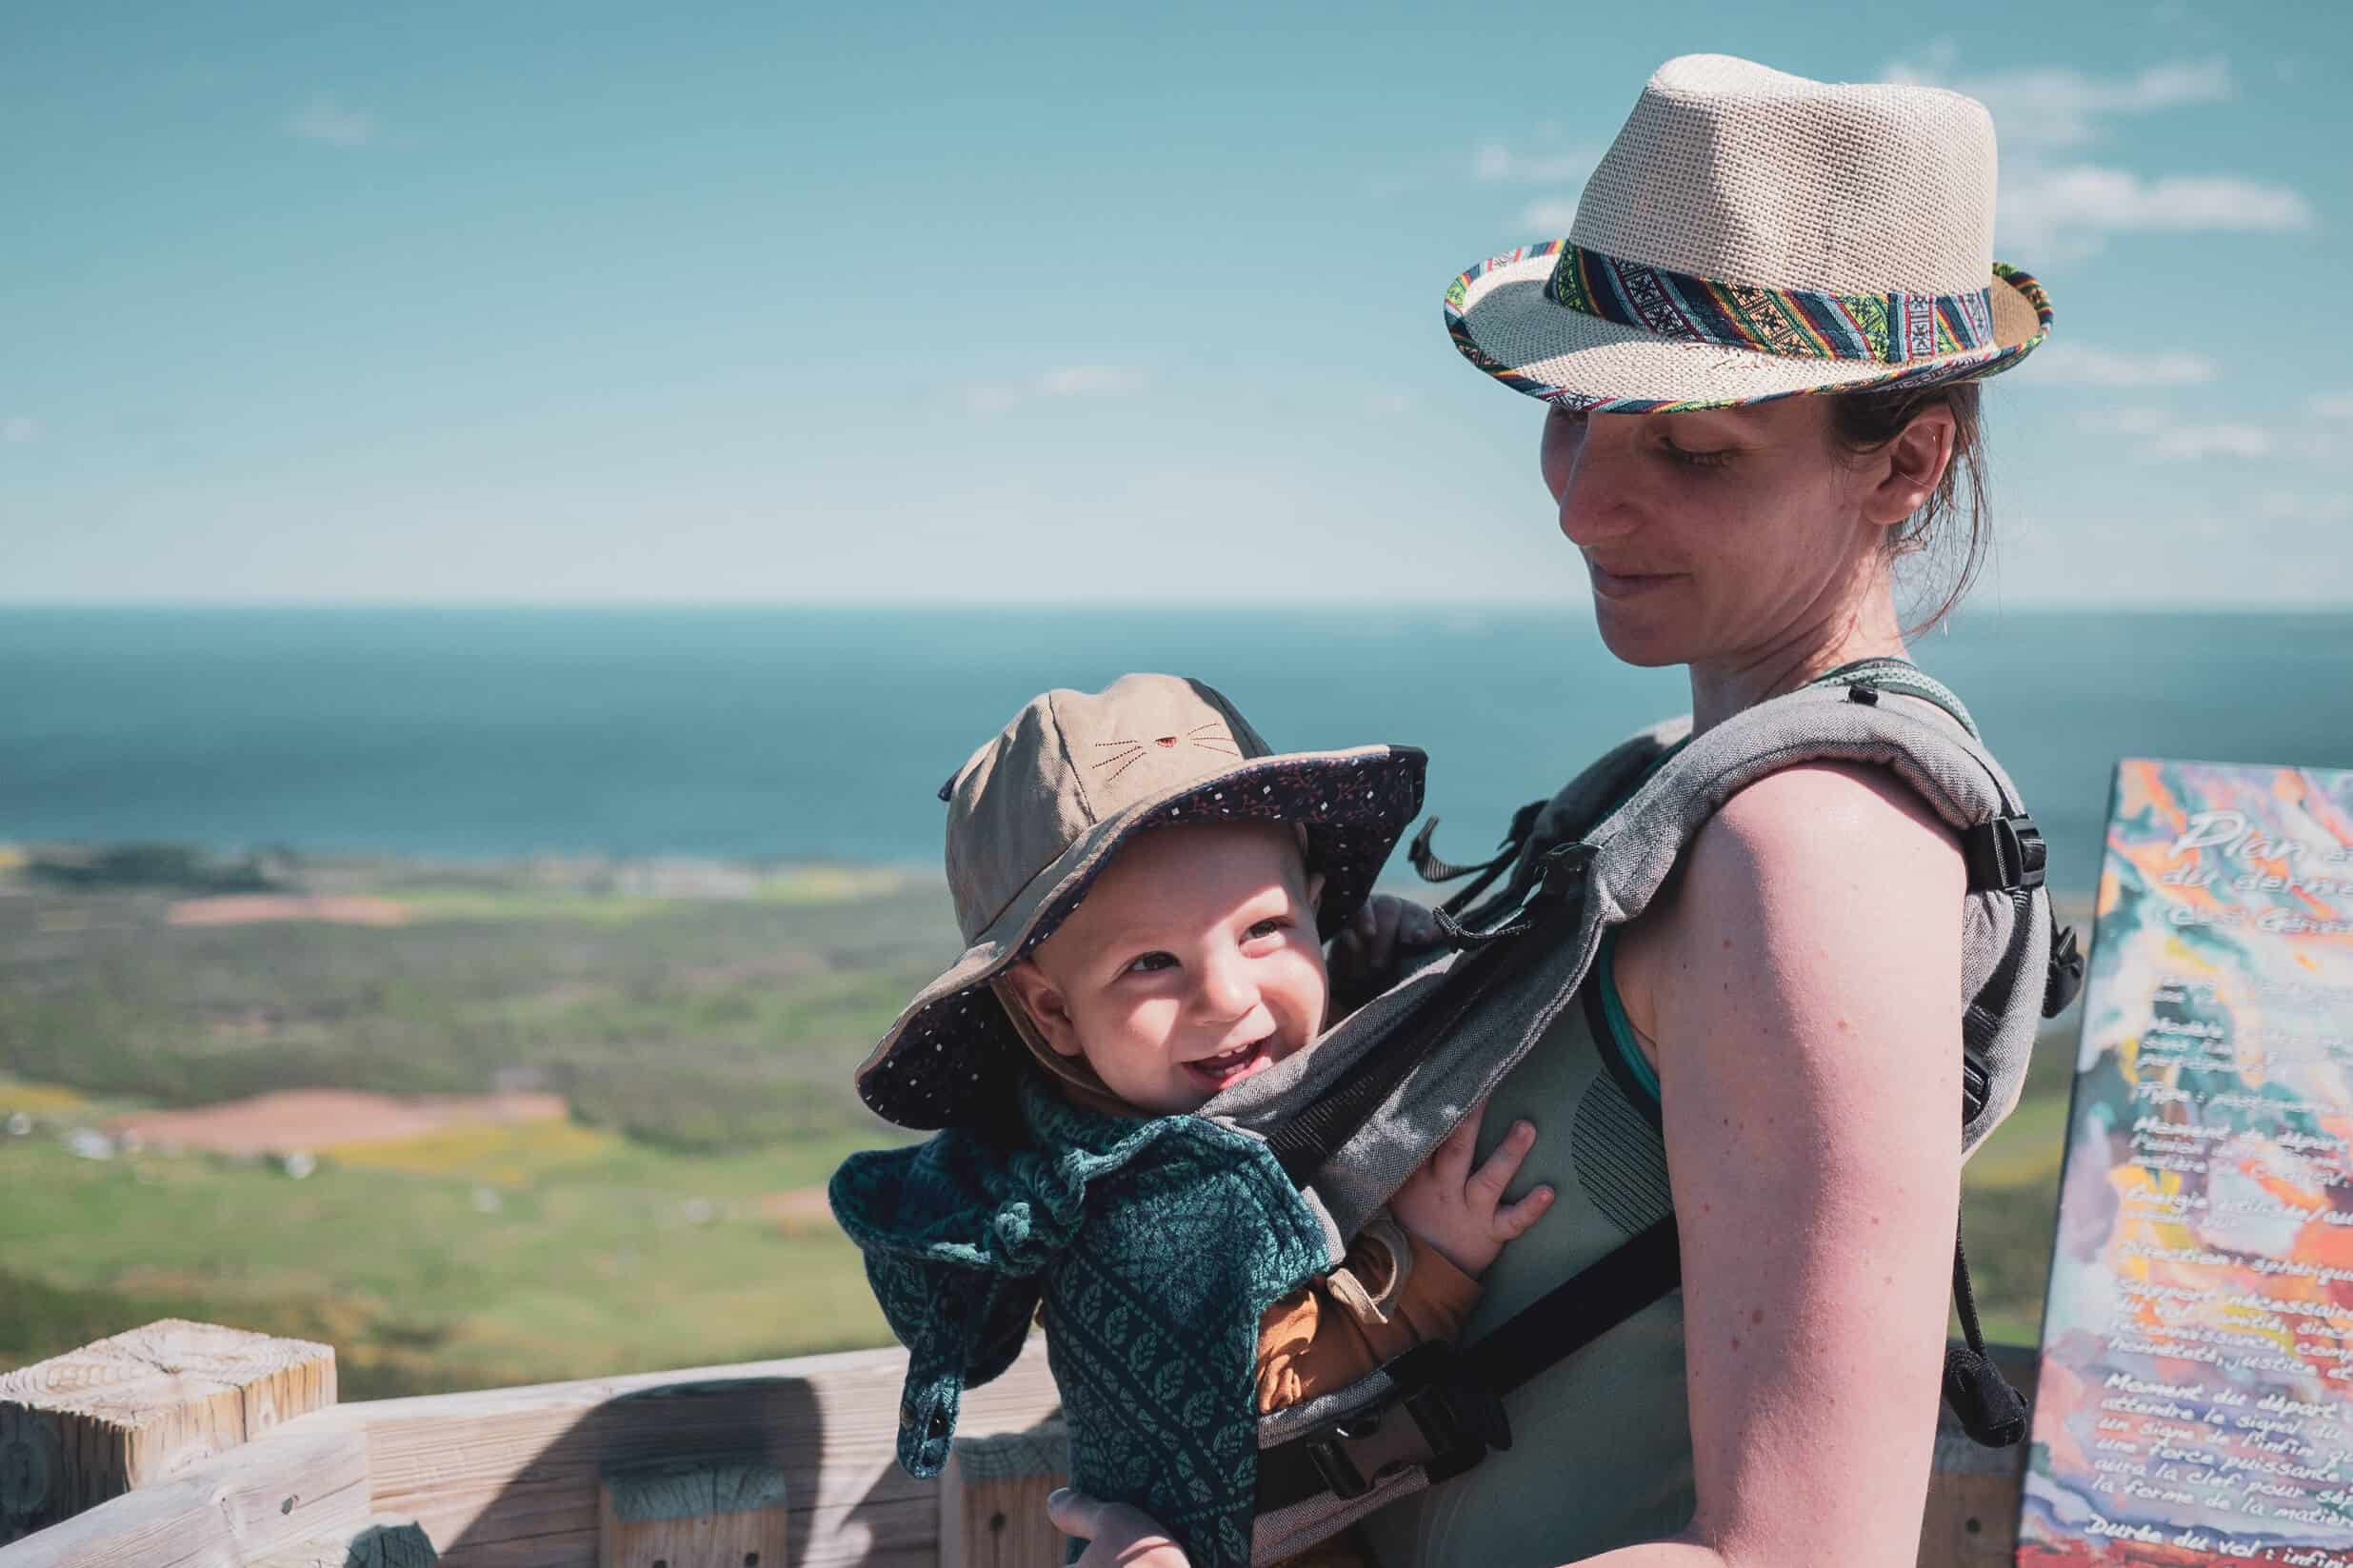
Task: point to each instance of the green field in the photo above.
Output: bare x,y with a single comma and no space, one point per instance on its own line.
702,1026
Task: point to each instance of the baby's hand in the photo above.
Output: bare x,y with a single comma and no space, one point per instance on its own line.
1364,955
1461,1213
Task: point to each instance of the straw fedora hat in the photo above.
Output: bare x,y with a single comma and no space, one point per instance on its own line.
1036,813
1754,235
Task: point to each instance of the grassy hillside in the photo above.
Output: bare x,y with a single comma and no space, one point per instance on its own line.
702,1024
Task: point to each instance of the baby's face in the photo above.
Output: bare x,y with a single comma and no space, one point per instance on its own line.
1191,964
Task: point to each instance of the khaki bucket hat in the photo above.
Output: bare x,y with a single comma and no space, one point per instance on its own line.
1753,236
1036,813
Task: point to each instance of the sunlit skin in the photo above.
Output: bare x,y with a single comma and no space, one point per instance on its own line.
1739,541
1191,964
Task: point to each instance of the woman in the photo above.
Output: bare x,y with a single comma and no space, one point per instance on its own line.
1790,1002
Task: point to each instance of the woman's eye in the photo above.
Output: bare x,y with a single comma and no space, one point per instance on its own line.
1151,962
1696,460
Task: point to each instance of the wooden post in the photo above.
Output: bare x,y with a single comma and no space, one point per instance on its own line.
1971,1519
691,1514
101,1420
384,1543
993,1499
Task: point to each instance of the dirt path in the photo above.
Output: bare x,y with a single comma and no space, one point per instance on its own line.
251,908
312,1119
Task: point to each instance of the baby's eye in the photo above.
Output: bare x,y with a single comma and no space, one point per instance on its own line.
1151,962
1270,925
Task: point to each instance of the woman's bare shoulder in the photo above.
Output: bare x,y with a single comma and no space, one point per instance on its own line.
1841,810
1819,858
1814,860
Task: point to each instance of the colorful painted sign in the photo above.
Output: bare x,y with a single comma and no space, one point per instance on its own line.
2196,1399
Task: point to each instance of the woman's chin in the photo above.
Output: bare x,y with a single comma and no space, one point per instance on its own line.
1635,639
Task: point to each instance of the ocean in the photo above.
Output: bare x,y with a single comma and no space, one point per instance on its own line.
824,733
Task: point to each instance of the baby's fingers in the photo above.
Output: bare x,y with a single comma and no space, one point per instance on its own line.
1451,1160
1486,1184
1513,1220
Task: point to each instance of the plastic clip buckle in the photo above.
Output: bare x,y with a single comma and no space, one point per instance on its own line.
1332,1461
2007,852
1456,1421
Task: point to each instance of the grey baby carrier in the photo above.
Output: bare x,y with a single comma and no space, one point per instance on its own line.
1350,1120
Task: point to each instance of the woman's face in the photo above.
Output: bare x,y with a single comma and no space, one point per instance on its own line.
1713,536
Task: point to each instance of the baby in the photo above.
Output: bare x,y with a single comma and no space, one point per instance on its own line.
1147,890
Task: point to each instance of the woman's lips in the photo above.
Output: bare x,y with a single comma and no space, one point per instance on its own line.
1609,585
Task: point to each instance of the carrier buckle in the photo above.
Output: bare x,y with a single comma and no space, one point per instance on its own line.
1456,1420
2006,853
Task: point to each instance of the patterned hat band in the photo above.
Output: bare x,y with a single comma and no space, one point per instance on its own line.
1890,329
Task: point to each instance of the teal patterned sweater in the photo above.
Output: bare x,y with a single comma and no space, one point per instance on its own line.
1154,1247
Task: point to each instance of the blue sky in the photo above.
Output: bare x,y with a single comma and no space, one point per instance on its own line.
618,301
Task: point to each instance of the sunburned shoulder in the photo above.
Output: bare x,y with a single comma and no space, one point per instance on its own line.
1849,829
1852,809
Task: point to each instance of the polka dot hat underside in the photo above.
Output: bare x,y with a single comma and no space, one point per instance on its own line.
954,1062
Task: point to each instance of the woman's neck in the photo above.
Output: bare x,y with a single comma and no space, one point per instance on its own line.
1722,688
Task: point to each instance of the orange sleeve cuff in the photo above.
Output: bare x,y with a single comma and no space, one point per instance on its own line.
1309,1345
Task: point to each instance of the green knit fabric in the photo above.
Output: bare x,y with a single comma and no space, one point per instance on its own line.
1155,1244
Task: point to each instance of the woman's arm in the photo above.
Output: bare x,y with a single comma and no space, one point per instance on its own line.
1806,1002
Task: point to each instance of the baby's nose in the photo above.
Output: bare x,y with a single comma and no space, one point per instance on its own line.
1226,989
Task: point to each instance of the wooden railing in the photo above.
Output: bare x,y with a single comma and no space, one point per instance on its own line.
766,1464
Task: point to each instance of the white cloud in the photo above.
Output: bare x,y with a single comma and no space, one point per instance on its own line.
1089,381
1558,163
2076,364
2082,201
17,429
2067,208
325,121
2291,507
1065,381
2165,436
2058,107
1549,217
2333,406
1562,166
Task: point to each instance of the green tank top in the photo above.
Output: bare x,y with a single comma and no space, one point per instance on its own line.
1601,1453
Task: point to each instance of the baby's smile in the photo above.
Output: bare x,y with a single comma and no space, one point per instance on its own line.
1226,1068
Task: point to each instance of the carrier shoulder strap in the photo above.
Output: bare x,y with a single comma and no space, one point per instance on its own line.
1454,1398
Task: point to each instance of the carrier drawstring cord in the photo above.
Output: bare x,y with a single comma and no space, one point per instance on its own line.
1430,869
1990,1410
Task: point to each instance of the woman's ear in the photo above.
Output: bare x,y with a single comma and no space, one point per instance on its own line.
1048,1010
1909,467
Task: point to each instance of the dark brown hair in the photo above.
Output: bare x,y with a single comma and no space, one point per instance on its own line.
1864,422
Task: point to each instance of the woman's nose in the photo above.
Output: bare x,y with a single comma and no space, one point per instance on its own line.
1588,476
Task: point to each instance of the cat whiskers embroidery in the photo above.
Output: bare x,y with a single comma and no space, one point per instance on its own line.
1125,754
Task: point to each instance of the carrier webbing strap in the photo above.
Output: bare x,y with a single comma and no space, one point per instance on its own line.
1573,1315
1302,1144
1453,1396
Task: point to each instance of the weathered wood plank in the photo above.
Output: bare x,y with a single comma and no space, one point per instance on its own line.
509,1478
687,1514
993,1499
127,1411
231,1511
1971,1519
384,1543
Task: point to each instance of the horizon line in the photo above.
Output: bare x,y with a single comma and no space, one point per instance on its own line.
1192,607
